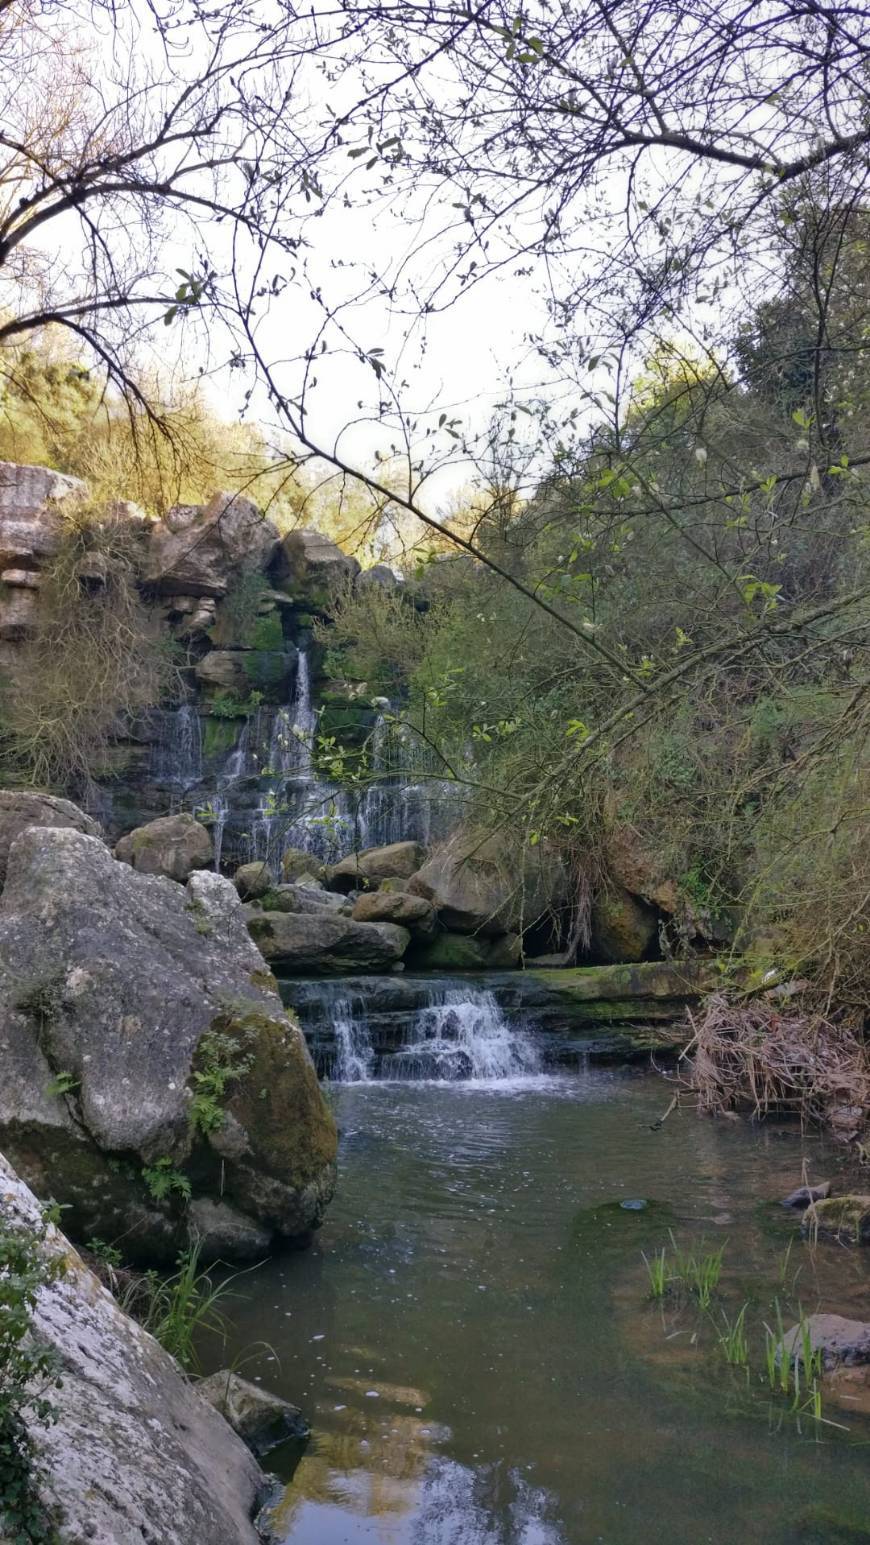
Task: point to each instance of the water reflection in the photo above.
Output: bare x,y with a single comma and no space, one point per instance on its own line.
472,1340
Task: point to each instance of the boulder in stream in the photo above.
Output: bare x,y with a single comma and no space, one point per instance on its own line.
480,885
135,1453
411,912
397,860
148,1062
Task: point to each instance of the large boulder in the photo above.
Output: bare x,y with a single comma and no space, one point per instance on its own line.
134,1452
304,896
622,926
309,566
173,845
479,884
147,1059
296,862
198,551
21,809
411,912
253,879
31,522
398,860
322,943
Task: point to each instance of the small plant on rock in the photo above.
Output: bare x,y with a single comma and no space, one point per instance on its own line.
221,1061
164,1180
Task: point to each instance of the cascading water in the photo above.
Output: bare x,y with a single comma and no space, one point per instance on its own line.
177,751
445,1030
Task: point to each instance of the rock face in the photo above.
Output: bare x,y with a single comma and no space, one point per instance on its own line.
309,563
478,886
135,1453
147,1060
325,943
174,846
195,550
411,912
30,524
623,927
19,810
398,860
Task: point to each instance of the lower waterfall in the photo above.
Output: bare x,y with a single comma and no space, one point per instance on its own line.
454,1031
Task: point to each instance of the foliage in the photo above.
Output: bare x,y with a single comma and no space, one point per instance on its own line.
165,1181
179,1308
96,658
228,705
29,1371
220,1061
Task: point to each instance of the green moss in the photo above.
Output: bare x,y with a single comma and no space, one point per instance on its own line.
268,671
279,1102
349,722
218,737
451,952
846,1218
265,980
267,633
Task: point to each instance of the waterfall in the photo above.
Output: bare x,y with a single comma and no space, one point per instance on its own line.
177,751
449,1031
463,1034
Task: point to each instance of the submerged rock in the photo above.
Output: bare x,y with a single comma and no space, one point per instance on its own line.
326,943
19,810
846,1218
173,845
116,988
838,1339
804,1195
134,1453
260,1418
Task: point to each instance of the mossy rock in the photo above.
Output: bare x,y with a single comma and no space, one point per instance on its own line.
218,737
844,1218
451,952
269,671
347,721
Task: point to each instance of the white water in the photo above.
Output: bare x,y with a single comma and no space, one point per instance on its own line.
460,1034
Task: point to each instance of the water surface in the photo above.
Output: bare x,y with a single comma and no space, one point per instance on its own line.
472,1339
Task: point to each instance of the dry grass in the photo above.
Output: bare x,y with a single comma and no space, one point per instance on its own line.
773,1058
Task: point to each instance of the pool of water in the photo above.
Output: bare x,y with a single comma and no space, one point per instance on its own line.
472,1338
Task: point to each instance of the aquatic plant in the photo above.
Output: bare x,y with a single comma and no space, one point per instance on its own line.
658,1273
733,1341
178,1308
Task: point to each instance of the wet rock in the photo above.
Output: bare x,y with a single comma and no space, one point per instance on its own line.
804,1195
398,860
19,810
173,845
134,1453
224,1233
198,550
260,1418
253,880
624,928
411,912
326,944
481,886
839,1340
845,1218
118,984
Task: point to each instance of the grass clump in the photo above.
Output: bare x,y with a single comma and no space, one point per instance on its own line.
177,1309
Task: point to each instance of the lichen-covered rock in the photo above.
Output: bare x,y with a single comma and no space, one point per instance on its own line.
19,810
844,1218
116,989
399,860
411,912
260,1418
323,943
479,885
135,1452
623,927
253,880
173,845
301,897
198,551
